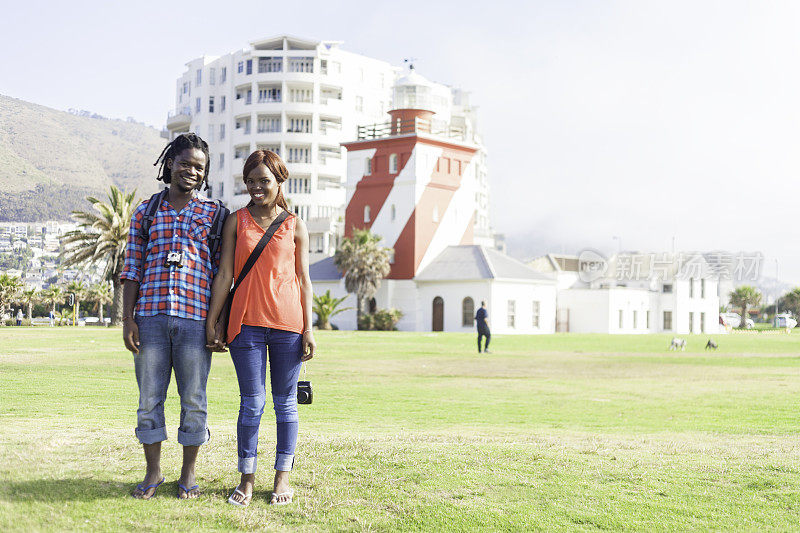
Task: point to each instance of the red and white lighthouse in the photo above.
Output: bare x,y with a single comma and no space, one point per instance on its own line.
413,182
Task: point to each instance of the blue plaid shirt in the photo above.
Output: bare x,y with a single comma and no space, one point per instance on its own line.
185,291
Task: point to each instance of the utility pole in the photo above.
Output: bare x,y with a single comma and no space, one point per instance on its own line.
775,322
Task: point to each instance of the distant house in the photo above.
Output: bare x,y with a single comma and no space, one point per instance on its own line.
445,295
635,293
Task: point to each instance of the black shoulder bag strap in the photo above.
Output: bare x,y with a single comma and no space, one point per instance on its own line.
251,261
147,221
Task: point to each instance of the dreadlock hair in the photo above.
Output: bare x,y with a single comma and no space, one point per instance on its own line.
275,165
182,142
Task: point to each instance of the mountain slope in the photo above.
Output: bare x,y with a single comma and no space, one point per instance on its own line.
50,160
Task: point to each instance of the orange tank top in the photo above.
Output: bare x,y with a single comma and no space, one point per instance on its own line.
269,296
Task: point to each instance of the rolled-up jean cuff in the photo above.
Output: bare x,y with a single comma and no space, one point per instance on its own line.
151,436
248,465
193,439
284,462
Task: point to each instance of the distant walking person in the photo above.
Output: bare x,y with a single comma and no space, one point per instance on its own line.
19,317
482,321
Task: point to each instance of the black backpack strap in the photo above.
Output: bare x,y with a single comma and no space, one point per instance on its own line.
215,234
254,255
147,221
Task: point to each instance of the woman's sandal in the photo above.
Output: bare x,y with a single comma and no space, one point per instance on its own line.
245,501
289,493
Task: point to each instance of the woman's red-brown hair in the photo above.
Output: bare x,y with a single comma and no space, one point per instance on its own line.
275,165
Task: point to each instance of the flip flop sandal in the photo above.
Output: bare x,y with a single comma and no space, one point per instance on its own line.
289,493
186,491
148,487
244,503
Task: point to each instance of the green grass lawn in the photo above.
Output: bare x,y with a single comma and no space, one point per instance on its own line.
416,431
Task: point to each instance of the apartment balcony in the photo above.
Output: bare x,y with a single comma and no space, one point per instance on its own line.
179,119
330,166
334,106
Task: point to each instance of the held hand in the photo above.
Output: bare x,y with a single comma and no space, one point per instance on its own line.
130,334
215,338
309,346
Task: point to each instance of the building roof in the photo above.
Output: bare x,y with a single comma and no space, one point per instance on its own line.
324,270
470,262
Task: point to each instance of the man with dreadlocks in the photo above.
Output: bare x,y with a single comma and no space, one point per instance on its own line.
169,266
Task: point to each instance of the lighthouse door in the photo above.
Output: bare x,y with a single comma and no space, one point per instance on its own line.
438,314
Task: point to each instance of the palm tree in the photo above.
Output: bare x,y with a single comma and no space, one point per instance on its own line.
101,239
80,291
101,294
745,296
28,298
326,307
52,296
363,263
10,287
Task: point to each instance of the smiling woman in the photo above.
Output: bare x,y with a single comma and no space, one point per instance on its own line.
266,250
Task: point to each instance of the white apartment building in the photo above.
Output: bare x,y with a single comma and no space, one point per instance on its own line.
302,99
296,97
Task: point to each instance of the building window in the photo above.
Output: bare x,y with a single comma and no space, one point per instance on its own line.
691,288
691,322
270,64
393,164
197,105
221,160
269,124
667,288
647,319
299,125
299,155
210,133
368,166
221,104
667,320
702,288
301,64
212,73
223,74
186,88
468,312
249,66
301,95
222,132
269,94
359,103
702,322
621,319
635,317
535,314
394,212
512,313
435,215
210,104
366,213
199,78
240,67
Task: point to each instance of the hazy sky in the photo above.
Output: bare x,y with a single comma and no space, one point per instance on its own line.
642,120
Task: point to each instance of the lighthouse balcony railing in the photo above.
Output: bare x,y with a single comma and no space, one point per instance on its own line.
409,127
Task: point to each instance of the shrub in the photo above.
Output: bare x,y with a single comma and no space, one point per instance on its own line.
381,320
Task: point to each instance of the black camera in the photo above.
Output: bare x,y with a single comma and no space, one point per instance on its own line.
176,259
304,392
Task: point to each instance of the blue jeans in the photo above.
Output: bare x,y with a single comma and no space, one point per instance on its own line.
249,353
167,343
